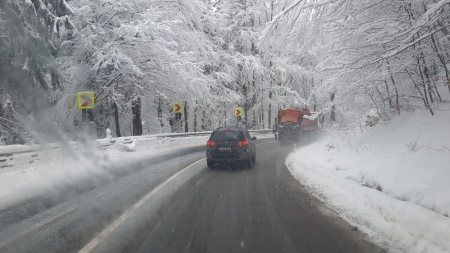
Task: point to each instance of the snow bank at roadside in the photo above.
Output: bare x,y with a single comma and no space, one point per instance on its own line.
391,181
29,174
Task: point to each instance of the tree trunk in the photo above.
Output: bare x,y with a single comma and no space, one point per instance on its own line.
389,95
203,119
116,119
372,97
333,114
420,92
225,113
428,106
313,95
171,123
262,111
428,82
397,106
382,98
245,106
269,111
436,89
186,127
137,121
441,58
160,111
195,116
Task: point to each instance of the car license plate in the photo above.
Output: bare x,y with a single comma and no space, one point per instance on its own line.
224,149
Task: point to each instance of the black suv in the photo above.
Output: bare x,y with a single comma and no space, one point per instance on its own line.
230,144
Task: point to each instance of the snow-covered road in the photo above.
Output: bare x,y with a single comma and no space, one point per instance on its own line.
52,170
176,204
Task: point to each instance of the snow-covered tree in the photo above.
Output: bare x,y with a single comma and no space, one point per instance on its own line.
383,55
31,33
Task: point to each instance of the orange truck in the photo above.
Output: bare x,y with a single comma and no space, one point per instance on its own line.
292,124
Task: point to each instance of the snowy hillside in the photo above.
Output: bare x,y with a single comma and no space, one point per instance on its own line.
391,181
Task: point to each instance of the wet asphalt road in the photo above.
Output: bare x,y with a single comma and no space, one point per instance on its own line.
228,209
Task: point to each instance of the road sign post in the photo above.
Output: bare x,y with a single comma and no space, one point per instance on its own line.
87,115
177,116
86,103
238,113
178,109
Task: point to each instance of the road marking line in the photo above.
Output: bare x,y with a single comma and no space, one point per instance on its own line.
91,245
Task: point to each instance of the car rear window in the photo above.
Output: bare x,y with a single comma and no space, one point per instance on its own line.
227,135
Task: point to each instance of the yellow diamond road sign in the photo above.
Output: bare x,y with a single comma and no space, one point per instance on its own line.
86,100
238,112
177,107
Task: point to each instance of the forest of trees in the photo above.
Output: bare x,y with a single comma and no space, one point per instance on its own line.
351,60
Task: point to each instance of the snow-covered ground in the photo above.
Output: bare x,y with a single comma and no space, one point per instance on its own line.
392,181
28,174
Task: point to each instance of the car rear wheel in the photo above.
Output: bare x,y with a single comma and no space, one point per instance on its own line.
254,158
210,165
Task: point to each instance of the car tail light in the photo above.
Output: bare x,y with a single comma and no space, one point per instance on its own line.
210,144
242,143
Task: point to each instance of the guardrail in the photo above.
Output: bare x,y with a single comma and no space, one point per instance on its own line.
7,152
173,135
129,139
